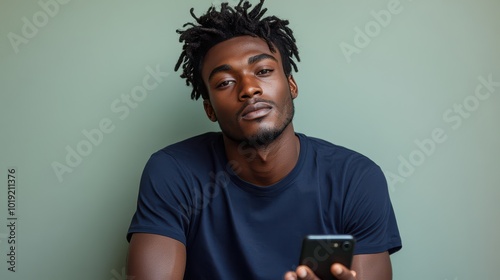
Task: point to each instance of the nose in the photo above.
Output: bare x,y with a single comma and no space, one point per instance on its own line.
248,88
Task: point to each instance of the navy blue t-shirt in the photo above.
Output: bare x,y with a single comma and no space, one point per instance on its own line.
235,230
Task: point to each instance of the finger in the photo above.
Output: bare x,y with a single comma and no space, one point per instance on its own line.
290,276
305,273
342,273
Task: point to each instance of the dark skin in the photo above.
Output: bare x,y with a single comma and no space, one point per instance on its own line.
251,98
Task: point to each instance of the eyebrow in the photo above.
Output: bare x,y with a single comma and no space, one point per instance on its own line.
259,57
222,68
251,60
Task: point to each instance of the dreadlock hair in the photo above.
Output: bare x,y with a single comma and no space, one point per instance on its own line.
217,26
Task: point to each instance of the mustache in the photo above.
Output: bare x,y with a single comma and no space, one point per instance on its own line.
253,101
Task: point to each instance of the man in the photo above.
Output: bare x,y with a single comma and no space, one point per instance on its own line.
236,204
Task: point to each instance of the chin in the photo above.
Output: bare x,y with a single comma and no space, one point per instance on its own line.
265,136
261,133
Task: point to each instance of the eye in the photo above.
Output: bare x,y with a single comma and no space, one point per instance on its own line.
224,84
265,71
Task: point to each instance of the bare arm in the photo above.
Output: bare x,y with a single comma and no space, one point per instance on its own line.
155,257
364,267
373,266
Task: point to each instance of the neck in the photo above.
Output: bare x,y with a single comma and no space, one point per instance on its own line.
266,165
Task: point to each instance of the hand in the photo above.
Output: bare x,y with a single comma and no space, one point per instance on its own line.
305,273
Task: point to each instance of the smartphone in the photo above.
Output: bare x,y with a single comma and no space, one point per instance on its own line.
319,252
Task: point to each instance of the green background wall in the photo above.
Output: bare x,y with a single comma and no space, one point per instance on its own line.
405,90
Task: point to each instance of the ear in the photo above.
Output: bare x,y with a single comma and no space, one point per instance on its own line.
294,89
209,110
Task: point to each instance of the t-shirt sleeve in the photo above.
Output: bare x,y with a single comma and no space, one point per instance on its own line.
162,199
369,215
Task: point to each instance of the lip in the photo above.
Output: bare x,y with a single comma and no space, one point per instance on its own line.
255,111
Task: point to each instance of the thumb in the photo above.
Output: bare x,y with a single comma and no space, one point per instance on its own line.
305,273
342,273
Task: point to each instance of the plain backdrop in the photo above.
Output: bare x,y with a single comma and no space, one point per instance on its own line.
414,85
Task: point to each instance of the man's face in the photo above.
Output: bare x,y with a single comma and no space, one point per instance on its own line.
250,95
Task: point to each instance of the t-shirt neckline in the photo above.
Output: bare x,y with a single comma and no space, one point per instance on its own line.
273,189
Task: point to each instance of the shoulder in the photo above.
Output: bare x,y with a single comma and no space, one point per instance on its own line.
194,153
335,156
192,148
198,143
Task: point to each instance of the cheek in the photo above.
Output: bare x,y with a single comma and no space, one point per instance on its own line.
281,92
223,110
279,85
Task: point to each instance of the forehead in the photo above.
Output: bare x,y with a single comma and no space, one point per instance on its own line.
236,50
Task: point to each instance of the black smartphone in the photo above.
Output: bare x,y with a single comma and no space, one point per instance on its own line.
319,252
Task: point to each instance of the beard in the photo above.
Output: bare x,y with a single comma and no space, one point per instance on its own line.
267,135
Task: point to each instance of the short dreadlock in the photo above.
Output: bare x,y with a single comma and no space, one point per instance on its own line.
217,26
